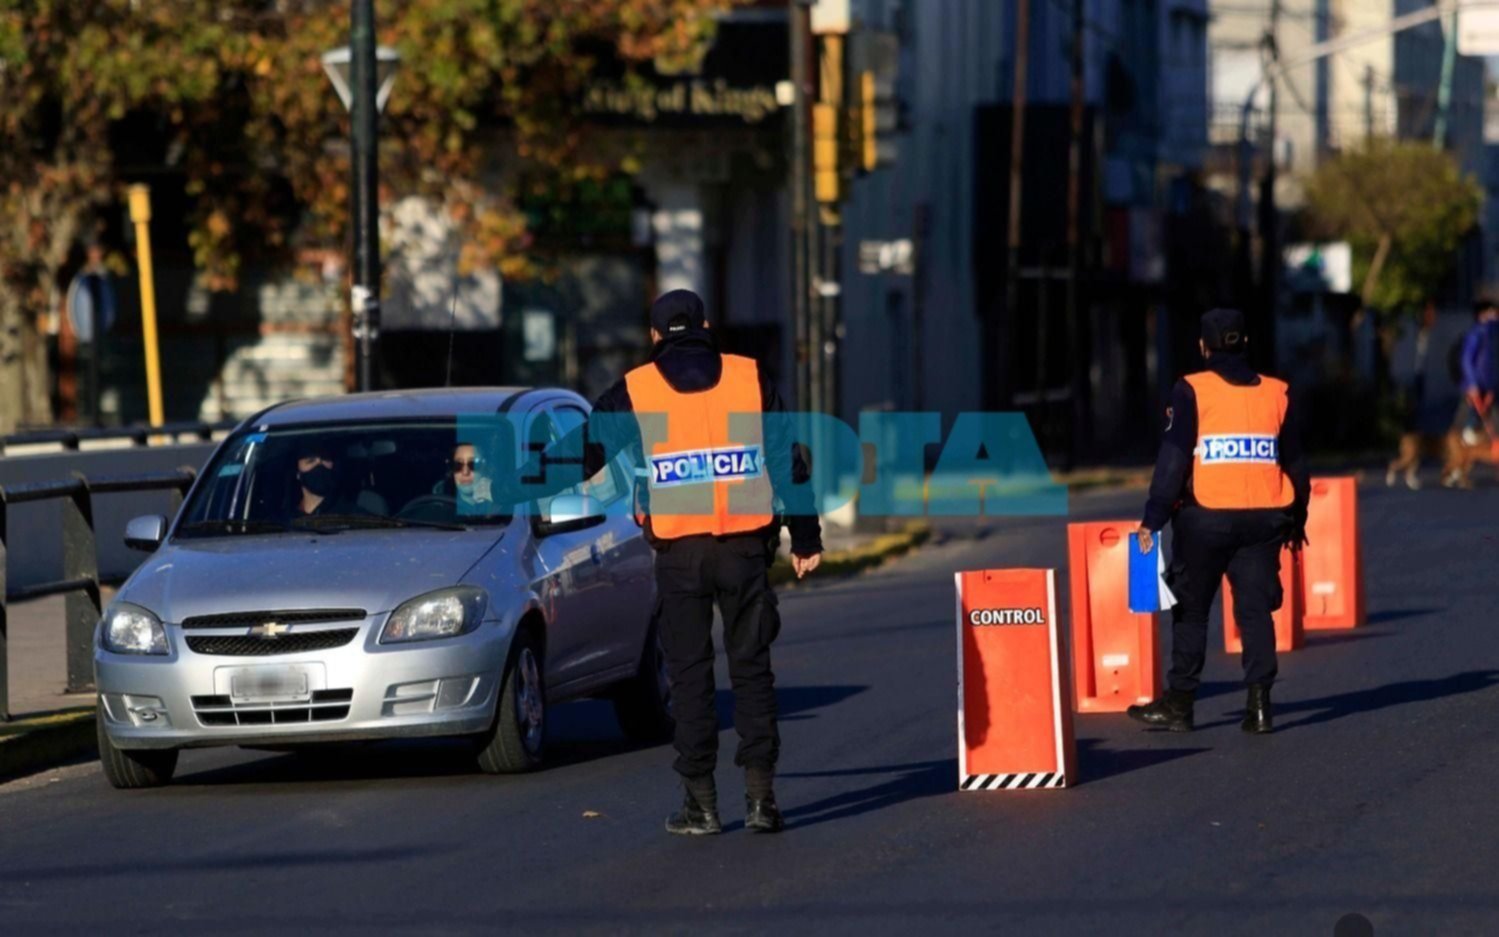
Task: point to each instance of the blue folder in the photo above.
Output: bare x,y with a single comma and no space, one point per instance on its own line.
1147,588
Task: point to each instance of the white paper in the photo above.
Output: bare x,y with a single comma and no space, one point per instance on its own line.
1167,598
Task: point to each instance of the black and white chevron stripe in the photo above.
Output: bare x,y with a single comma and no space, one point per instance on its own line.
1012,782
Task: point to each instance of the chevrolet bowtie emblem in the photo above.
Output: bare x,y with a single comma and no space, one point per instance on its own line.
270,630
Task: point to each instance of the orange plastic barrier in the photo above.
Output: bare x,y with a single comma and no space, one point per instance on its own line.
1014,723
1332,563
1114,661
1289,620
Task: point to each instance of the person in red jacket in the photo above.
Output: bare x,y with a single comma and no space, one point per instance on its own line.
1232,480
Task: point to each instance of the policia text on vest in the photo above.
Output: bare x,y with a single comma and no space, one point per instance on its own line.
1232,482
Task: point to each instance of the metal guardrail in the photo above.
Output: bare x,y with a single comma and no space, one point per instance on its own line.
72,438
80,561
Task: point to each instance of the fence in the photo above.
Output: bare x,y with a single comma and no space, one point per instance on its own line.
79,582
71,439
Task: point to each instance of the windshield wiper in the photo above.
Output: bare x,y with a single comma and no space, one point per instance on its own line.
322,522
230,525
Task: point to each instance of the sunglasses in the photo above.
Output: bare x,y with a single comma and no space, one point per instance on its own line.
466,465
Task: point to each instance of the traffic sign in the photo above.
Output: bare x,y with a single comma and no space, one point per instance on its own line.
90,293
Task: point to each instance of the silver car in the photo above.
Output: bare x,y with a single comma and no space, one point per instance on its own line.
340,571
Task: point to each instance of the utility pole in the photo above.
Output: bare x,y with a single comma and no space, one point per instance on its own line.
830,216
1081,421
364,197
1368,103
1444,90
1017,175
1269,215
801,158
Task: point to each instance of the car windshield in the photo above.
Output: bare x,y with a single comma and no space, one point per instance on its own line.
352,477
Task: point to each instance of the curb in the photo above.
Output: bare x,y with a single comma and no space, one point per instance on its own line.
847,562
41,742
1114,479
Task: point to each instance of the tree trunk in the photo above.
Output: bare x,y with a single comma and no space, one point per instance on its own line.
12,397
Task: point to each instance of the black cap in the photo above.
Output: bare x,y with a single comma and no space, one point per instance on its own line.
1223,330
676,312
309,446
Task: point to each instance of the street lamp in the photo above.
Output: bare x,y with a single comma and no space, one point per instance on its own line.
338,64
362,75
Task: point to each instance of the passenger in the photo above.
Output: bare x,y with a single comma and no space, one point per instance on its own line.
466,481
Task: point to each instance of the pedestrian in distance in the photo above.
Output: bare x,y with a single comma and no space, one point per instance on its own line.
719,460
1474,424
1232,480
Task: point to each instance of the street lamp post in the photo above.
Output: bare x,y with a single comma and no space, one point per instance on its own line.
362,76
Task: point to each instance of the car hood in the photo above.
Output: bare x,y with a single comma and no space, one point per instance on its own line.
372,570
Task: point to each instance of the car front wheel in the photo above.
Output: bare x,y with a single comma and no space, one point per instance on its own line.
642,704
127,769
515,740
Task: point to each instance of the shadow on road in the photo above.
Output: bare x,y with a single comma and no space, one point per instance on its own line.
1395,614
272,861
901,783
898,784
1096,764
577,733
584,731
1329,638
1328,708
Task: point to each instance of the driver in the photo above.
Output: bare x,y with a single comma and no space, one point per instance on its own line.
317,489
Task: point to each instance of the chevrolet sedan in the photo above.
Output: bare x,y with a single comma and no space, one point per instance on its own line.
339,572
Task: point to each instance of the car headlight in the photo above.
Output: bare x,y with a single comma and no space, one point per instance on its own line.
440,614
130,629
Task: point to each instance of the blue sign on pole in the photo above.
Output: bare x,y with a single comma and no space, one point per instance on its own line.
91,296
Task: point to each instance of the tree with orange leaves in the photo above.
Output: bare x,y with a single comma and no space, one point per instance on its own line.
235,91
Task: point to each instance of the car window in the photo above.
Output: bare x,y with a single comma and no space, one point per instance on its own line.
368,475
606,486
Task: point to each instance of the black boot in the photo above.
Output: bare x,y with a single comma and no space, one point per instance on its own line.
1257,719
699,813
761,815
1172,711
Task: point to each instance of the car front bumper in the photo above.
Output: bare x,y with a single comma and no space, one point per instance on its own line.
362,690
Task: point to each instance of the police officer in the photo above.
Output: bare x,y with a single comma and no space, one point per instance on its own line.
718,454
1231,478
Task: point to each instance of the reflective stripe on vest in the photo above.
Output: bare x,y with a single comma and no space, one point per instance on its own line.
705,452
1237,460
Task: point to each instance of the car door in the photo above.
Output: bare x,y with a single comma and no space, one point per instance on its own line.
618,622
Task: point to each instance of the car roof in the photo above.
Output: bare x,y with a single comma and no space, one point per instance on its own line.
427,403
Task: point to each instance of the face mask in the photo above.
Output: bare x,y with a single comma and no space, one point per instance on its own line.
319,480
466,491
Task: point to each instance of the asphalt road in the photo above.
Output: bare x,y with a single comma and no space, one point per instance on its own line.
1374,797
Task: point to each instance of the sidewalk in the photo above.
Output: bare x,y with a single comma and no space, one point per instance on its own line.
48,726
38,659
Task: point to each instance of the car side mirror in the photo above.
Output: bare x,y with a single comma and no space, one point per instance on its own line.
568,513
146,533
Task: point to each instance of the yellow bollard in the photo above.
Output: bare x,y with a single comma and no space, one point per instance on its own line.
140,215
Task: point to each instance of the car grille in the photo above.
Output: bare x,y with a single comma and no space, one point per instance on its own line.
325,706
240,645
301,616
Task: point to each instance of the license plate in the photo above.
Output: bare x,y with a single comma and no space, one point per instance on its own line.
268,684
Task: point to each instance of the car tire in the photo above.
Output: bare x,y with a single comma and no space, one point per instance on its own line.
128,769
517,737
642,704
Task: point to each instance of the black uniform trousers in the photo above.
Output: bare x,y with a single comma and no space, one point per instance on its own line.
692,574
1246,545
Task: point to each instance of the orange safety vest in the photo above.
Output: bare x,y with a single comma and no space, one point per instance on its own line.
704,451
1237,460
